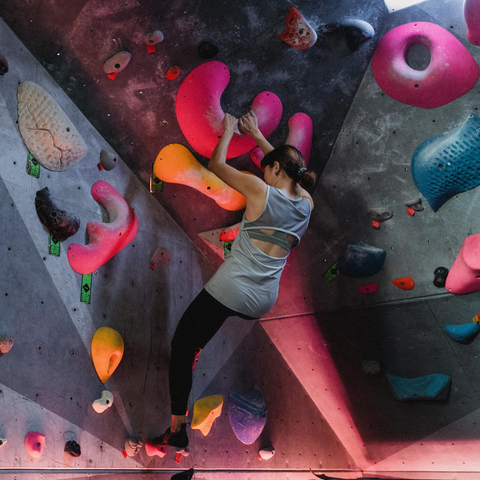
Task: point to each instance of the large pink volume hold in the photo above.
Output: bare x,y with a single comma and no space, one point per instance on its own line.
471,12
464,277
452,71
300,132
105,239
200,114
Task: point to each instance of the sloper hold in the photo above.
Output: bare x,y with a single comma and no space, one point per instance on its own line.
471,13
34,444
105,239
247,414
107,351
108,160
205,411
447,164
48,133
430,387
404,283
356,31
155,450
451,73
462,333
200,114
464,276
117,62
361,260
175,164
58,222
299,33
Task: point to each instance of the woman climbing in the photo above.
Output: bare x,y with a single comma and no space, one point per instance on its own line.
246,284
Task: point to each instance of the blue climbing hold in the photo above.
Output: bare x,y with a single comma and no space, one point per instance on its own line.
462,333
247,414
429,387
447,164
361,260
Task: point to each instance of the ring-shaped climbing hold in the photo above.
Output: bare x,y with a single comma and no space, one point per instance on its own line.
200,114
452,71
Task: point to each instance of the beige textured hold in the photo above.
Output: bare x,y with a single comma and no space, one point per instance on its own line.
118,62
48,133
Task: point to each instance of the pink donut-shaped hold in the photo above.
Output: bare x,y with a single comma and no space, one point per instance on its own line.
34,444
300,132
104,239
452,71
471,12
200,114
464,276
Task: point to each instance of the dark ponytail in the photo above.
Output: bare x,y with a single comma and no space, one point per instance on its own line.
291,161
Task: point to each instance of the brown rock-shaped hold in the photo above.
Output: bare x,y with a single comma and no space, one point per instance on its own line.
152,38
299,34
48,133
60,223
118,62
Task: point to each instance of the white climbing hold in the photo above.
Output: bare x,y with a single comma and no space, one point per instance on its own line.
104,402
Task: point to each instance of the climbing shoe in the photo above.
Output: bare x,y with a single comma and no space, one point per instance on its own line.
178,439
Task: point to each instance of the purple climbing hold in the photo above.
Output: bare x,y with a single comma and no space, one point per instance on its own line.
447,164
247,414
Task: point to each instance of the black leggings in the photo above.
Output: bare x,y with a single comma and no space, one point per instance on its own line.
200,322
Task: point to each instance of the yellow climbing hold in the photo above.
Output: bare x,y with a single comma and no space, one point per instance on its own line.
205,411
175,164
107,351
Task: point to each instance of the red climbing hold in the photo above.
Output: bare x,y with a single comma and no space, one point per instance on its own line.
112,75
366,289
172,72
299,34
405,283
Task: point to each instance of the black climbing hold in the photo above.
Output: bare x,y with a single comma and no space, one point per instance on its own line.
186,475
60,223
207,49
440,276
73,448
360,260
3,65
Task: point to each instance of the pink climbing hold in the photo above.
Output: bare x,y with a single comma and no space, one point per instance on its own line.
366,289
452,71
471,12
105,239
464,276
300,132
34,443
200,114
155,450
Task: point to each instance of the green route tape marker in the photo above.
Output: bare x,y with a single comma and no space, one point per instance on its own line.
54,245
86,288
332,273
156,185
33,166
227,248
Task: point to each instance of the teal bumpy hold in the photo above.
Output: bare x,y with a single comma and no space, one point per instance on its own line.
447,164
462,333
430,387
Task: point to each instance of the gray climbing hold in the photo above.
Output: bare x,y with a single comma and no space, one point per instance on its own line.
380,214
430,387
361,260
108,160
152,38
247,414
415,203
462,333
58,222
447,164
133,446
117,63
356,31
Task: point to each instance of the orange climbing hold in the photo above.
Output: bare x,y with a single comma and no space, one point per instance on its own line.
175,164
107,351
172,72
405,283
205,411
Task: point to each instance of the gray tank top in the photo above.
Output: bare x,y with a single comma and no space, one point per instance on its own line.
248,280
